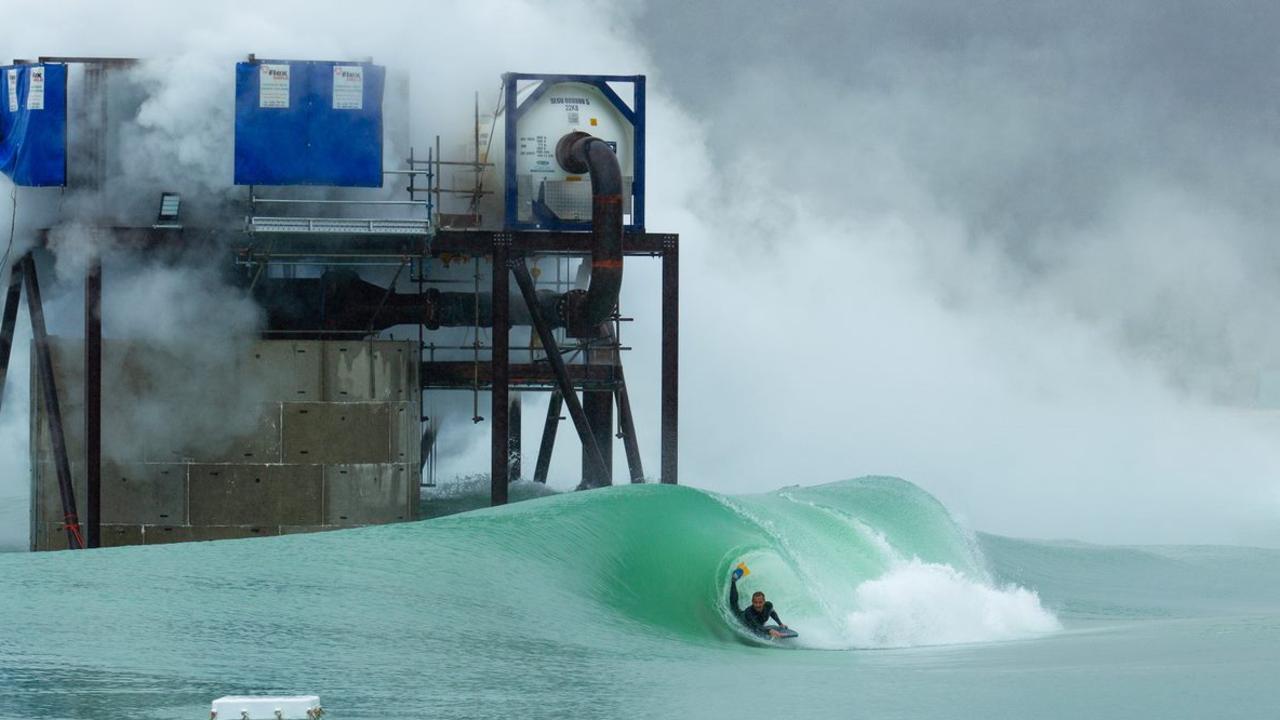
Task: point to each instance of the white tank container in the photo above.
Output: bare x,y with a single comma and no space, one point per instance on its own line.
562,109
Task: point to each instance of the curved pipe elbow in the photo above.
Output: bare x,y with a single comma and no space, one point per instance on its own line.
579,152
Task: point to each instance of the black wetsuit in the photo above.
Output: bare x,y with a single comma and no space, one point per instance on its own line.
753,620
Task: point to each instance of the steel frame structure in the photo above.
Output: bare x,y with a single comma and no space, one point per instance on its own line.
509,249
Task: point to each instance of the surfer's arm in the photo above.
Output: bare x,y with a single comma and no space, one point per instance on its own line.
733,596
774,614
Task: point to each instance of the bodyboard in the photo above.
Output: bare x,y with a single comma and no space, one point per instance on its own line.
783,633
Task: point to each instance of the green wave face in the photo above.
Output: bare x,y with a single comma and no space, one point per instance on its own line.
657,558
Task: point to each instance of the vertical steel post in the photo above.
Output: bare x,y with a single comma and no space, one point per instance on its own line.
9,322
525,281
93,403
598,406
670,361
513,438
627,427
499,439
53,412
548,437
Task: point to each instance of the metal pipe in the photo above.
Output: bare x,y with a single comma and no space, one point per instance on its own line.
500,431
49,391
670,435
579,152
349,302
548,444
93,403
525,281
9,322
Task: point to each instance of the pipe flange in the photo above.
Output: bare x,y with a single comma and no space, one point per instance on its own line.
570,158
575,311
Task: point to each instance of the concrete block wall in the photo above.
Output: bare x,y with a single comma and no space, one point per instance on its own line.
335,443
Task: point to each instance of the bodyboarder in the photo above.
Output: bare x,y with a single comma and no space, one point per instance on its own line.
755,615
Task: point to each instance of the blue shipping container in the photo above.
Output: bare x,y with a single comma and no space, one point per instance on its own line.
309,123
33,124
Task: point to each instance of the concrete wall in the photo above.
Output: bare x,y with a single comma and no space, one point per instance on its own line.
327,436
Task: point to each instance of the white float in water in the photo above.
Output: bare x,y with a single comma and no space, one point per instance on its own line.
241,707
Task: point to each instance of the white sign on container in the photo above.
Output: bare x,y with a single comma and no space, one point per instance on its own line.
348,87
35,89
11,76
273,86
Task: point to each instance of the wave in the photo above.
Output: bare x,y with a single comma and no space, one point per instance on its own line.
867,563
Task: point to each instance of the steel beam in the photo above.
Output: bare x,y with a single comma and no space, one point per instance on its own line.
548,437
499,431
93,403
627,428
465,375
514,451
598,407
525,281
49,391
670,361
540,242
9,322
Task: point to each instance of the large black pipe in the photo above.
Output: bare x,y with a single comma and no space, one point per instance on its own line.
340,301
579,152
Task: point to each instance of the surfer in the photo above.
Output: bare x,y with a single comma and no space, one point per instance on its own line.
757,614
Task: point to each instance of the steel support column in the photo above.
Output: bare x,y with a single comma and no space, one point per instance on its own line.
598,407
670,360
93,403
49,391
627,427
499,439
525,281
554,406
9,323
513,438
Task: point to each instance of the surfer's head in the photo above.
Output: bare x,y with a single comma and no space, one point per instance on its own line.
757,601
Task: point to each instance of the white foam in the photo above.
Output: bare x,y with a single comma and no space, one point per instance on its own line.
919,603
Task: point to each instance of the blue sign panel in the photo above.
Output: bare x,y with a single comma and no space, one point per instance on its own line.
33,124
309,123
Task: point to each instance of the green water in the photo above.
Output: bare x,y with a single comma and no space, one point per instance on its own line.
610,604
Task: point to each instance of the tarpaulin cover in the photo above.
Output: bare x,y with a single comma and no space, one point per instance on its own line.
309,123
33,124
